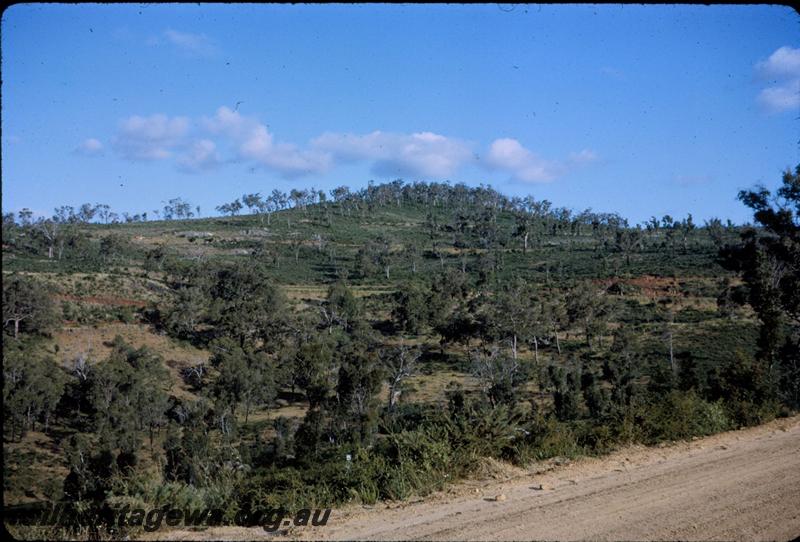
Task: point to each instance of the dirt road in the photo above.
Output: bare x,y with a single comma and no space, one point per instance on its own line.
741,485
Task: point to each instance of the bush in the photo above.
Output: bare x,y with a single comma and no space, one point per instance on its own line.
680,415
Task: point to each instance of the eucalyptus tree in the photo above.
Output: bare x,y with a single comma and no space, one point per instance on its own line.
500,376
715,231
411,308
510,313
128,395
247,376
627,241
341,308
253,202
400,363
375,255
769,260
588,307
53,232
176,208
27,306
247,307
32,389
231,208
522,228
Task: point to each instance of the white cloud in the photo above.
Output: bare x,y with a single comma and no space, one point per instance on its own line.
423,154
150,138
785,97
202,155
228,136
90,147
783,68
586,156
229,122
784,62
509,155
292,162
253,141
195,44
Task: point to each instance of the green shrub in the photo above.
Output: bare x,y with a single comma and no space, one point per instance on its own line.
682,415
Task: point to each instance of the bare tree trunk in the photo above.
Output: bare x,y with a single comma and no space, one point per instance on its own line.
536,349
671,354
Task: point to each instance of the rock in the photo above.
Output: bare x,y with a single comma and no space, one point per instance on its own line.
500,498
281,402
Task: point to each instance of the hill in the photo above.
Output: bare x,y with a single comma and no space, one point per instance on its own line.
412,329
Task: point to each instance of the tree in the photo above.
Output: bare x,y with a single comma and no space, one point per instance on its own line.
177,208
340,308
25,217
567,398
411,309
112,246
769,260
155,259
400,363
313,367
355,412
500,376
523,229
411,253
189,310
686,229
27,305
510,313
252,201
231,208
587,306
246,376
32,388
52,231
716,231
374,255
627,241
622,368
296,242
248,306
128,395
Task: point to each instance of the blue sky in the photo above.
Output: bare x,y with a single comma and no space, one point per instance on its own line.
642,110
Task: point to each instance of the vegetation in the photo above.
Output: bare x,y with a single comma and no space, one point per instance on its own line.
376,344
